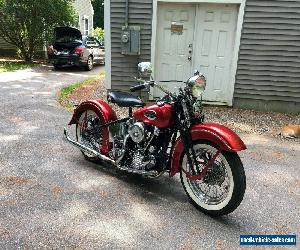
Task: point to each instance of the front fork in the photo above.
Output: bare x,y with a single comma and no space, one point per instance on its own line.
190,152
196,173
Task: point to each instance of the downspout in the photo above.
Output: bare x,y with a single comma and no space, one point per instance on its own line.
126,13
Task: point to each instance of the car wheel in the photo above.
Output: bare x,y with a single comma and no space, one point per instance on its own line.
56,67
89,64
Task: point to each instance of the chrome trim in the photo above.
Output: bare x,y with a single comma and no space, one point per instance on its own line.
151,174
87,149
124,149
140,136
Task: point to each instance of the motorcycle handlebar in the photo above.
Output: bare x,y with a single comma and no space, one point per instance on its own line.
137,87
152,84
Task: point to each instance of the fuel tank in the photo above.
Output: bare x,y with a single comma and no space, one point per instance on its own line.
160,116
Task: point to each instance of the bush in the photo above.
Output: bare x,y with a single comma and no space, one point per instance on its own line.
99,33
28,24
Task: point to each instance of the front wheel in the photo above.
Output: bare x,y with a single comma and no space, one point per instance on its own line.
222,189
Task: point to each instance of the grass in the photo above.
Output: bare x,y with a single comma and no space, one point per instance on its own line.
66,91
14,65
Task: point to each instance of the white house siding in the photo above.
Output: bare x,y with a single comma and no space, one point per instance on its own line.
85,11
268,75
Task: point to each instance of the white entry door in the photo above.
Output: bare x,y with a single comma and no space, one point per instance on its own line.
175,33
215,33
206,44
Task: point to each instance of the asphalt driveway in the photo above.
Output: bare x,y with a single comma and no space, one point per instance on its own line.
51,198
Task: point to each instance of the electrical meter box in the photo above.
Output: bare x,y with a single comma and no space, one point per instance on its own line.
130,40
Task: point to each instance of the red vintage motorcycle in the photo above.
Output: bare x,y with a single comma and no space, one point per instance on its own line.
170,136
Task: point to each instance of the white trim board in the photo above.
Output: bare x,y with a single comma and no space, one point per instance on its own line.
107,41
237,39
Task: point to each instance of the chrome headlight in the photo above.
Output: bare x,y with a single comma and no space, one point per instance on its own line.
145,69
197,84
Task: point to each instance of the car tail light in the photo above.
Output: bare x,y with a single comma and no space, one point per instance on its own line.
79,50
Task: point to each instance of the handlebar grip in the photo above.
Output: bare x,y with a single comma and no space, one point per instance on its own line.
137,87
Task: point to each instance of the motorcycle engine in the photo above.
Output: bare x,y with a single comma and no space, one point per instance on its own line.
137,132
132,145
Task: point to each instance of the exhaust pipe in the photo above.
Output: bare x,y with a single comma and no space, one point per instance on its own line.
150,174
87,149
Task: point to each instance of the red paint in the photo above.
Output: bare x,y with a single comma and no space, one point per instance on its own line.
104,112
203,172
164,115
216,133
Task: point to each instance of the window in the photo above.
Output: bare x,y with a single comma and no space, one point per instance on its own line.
86,26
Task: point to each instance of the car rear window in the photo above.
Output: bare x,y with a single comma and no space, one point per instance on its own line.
91,41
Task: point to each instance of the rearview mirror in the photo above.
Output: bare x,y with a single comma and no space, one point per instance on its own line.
145,69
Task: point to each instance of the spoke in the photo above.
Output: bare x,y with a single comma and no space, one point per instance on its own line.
90,133
220,193
216,191
215,186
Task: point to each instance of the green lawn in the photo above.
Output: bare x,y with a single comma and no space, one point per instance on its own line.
12,66
66,91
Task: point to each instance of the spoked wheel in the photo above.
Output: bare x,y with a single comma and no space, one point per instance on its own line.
222,189
89,132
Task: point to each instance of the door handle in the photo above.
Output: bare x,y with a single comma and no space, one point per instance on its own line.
190,58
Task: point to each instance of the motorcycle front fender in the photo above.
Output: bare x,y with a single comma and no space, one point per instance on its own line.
218,134
103,111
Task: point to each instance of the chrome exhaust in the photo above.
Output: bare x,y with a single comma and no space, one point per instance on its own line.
150,174
87,149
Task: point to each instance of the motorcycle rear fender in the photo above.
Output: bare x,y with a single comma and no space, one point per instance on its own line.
220,135
104,112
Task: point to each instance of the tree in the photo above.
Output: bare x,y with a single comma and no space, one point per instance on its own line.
99,33
98,6
28,24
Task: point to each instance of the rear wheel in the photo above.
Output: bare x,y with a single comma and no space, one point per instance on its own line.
222,189
89,64
89,133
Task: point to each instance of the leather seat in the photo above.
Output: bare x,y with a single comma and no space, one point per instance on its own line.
123,99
